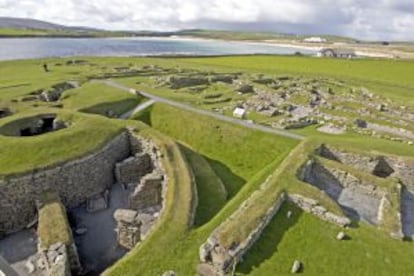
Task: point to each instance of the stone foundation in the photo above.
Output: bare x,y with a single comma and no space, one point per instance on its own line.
220,260
128,228
148,193
74,181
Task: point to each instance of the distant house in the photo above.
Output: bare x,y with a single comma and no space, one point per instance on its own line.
239,112
314,39
337,53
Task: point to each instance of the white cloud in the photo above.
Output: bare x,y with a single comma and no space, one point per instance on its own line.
372,19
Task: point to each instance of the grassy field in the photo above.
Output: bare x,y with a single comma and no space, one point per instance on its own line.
229,163
99,99
234,153
306,238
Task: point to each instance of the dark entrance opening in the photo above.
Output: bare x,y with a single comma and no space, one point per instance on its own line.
382,169
26,132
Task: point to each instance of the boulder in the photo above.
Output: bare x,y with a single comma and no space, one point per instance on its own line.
297,265
341,236
81,231
245,88
30,267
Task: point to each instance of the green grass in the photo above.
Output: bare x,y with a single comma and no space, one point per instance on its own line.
212,194
312,241
391,78
234,152
85,134
53,222
177,247
100,99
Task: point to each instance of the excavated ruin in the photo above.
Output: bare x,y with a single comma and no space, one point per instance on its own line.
359,200
34,126
113,198
382,167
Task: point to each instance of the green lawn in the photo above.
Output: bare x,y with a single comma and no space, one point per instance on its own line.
100,99
212,194
234,152
85,134
312,241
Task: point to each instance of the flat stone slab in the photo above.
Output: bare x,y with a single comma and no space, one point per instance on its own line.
407,213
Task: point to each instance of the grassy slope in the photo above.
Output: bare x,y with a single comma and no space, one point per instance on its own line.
312,241
212,193
86,134
99,98
234,152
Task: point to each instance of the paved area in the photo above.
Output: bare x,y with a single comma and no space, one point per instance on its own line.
18,248
205,112
98,247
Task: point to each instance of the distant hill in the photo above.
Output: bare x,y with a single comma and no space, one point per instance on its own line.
33,24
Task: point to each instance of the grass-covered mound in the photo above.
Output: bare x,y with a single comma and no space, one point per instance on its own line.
84,134
100,99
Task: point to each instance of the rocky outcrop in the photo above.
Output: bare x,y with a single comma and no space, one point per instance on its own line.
74,181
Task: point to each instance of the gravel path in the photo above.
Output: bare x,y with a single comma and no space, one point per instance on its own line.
206,112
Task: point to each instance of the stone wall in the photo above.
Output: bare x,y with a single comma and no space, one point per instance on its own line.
74,181
132,169
312,206
148,193
221,260
381,166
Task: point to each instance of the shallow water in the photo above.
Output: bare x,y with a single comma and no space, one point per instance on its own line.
26,48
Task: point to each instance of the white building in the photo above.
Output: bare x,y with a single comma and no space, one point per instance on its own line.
239,112
315,39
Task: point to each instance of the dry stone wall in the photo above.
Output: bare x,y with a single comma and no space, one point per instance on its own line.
74,181
221,260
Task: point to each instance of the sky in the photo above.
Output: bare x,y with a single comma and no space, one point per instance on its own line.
363,19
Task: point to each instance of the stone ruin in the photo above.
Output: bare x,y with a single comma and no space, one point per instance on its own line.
382,167
44,125
142,175
358,198
128,228
4,112
54,94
